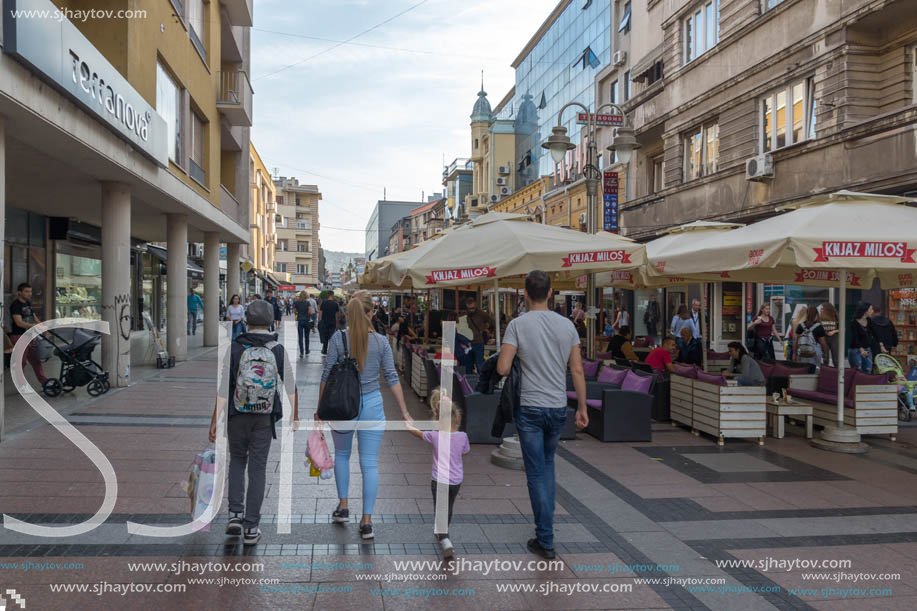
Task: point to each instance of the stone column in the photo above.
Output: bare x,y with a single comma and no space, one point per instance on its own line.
177,289
3,306
211,288
116,281
232,271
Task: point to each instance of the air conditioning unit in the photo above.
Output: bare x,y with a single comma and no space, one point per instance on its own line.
501,181
505,191
494,199
504,169
582,218
760,167
619,58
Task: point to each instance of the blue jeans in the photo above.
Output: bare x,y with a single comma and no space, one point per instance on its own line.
369,442
477,353
858,361
539,433
302,330
237,329
192,322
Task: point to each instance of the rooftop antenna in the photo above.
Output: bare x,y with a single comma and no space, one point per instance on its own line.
276,172
482,80
383,193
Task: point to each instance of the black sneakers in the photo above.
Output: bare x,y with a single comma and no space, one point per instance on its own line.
252,536
366,531
536,548
341,516
234,528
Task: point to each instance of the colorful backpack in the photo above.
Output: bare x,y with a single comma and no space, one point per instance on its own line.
257,380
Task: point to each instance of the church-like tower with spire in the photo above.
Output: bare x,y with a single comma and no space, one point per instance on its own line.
493,151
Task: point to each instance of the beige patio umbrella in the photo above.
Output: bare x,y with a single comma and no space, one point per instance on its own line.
827,237
497,246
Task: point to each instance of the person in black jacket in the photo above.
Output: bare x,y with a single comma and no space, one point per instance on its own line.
884,330
862,339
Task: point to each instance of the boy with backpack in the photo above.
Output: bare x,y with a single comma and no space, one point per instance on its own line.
256,374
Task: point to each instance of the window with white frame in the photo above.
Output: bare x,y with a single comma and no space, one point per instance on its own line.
702,151
624,25
197,148
280,267
281,245
702,29
198,21
657,178
169,107
302,269
787,115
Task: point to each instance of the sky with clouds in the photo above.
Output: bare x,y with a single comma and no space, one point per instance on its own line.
382,110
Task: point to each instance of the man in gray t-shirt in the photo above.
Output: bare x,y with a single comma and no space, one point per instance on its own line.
545,343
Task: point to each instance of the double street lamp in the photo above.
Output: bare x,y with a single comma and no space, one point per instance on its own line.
624,145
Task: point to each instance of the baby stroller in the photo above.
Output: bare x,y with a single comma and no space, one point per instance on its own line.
76,365
887,364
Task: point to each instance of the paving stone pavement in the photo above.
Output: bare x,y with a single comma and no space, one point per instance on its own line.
733,519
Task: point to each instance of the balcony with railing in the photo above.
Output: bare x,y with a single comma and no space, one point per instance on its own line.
234,98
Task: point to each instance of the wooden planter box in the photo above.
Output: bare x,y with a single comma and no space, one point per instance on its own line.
874,411
680,400
721,411
418,375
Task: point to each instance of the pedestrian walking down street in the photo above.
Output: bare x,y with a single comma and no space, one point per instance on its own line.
303,322
329,313
452,474
883,329
373,354
278,312
257,369
314,317
760,333
194,302
862,339
479,322
22,318
288,304
545,343
828,317
235,314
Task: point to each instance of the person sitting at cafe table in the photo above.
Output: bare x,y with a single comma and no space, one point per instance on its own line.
620,347
689,350
743,367
660,359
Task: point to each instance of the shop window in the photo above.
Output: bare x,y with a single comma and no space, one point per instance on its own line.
702,29
78,276
702,151
788,115
168,105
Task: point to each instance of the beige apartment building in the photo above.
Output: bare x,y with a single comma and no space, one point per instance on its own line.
298,244
742,105
259,253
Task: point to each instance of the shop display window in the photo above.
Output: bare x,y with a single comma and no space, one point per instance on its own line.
902,311
78,290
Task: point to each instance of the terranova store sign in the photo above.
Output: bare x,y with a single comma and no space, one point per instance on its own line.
52,47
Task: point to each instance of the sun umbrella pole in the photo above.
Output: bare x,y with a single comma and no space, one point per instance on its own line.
497,308
842,342
703,331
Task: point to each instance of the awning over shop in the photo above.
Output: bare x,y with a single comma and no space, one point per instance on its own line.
267,280
195,270
275,280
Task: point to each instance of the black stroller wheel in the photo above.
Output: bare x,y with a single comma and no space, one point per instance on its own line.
96,387
52,387
106,385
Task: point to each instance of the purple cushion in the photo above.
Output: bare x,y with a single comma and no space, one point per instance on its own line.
848,381
466,387
571,394
688,371
827,380
863,379
718,356
610,375
590,368
710,378
637,383
766,368
782,371
594,403
848,403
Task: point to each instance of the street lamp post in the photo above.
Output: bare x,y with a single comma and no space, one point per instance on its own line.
624,144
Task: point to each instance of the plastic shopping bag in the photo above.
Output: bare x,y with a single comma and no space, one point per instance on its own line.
200,485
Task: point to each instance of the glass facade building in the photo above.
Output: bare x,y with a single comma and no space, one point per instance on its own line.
560,68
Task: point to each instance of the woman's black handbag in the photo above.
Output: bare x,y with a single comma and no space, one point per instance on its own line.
342,396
